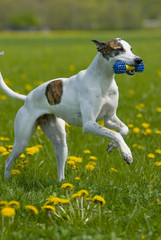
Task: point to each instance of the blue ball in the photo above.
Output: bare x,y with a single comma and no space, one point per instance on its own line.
119,67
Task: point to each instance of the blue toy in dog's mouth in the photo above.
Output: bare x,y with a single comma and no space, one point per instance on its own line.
121,67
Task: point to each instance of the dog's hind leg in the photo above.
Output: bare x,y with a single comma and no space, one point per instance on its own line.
115,123
54,129
25,126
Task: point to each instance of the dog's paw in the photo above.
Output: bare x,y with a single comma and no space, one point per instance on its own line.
111,146
128,156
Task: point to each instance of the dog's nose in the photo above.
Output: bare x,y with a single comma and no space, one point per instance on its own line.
138,60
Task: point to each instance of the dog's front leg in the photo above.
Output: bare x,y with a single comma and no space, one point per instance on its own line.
90,126
115,123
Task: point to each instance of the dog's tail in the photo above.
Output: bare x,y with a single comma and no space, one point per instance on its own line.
10,92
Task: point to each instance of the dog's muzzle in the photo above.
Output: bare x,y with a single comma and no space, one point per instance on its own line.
131,69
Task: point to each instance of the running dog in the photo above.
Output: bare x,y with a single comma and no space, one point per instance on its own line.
80,100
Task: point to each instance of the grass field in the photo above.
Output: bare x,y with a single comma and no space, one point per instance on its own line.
132,193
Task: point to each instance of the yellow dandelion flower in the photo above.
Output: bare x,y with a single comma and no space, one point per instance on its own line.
32,150
158,151
71,68
20,165
39,146
134,145
3,154
93,157
3,97
140,147
92,163
3,203
32,209
89,167
151,155
3,149
4,139
8,212
63,201
14,204
158,109
139,115
9,146
22,155
99,200
113,170
67,186
158,164
87,151
71,162
131,91
148,130
83,193
28,87
77,178
53,200
130,125
48,208
15,172
75,195
89,199
136,130
158,132
145,125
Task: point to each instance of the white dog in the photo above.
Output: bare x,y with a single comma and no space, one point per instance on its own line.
80,100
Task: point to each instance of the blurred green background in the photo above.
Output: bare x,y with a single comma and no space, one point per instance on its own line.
75,14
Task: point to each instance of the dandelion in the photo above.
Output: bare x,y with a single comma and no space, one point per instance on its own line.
87,151
3,97
32,150
71,162
99,200
67,186
3,154
89,167
67,124
75,195
53,200
157,201
113,170
8,212
77,178
3,203
134,145
158,109
158,164
48,208
63,201
4,139
139,115
92,163
145,125
136,130
131,92
14,204
28,87
22,155
93,158
158,132
151,155
32,209
83,193
130,125
15,172
3,149
71,68
140,147
158,151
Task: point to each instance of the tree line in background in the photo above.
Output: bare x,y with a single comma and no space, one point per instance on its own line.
78,14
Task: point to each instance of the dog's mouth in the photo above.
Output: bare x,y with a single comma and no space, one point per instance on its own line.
130,72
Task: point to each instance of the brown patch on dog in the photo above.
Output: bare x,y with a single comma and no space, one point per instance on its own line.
54,92
110,48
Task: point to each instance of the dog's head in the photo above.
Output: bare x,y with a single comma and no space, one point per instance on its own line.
118,50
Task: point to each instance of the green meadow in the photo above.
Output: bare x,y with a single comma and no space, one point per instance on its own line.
132,192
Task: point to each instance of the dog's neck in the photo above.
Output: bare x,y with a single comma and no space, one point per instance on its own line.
101,70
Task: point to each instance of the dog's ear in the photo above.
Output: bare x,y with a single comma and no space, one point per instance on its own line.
100,45
114,44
